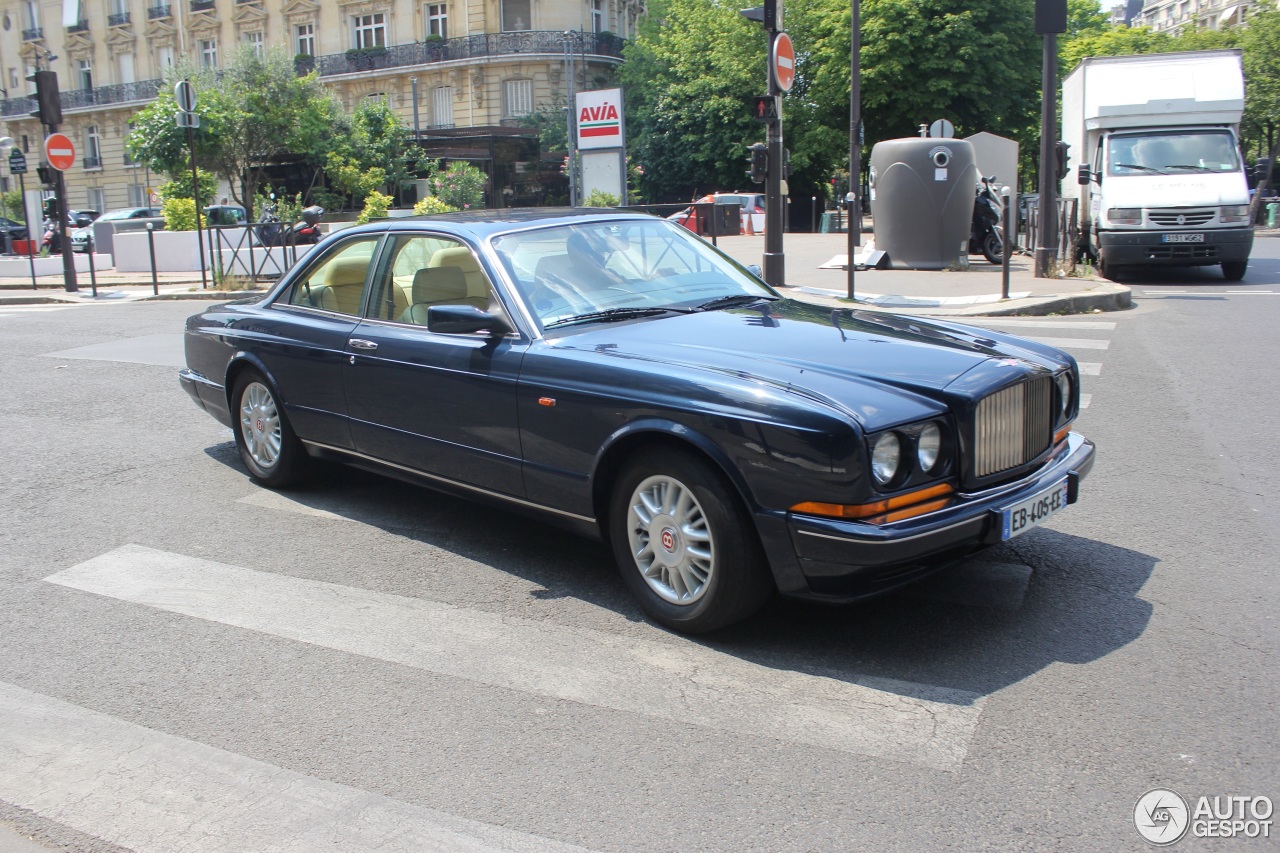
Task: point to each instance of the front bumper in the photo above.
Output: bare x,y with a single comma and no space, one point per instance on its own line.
848,560
1142,248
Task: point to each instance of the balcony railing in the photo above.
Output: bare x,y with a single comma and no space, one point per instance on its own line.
156,12
81,26
119,19
467,47
33,34
121,93
201,5
93,162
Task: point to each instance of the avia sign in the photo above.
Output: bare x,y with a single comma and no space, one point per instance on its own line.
600,119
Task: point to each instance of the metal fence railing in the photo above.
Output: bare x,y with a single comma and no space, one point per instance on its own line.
1068,232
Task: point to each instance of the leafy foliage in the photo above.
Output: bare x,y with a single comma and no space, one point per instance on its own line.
179,214
461,186
431,204
376,205
600,198
180,187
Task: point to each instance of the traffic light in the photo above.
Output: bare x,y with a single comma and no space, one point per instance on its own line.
49,207
45,173
1060,159
766,14
47,97
759,161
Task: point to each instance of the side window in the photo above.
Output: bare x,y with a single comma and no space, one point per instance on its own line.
337,284
428,270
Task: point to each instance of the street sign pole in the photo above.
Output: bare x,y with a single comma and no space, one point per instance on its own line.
855,142
775,270
185,94
31,260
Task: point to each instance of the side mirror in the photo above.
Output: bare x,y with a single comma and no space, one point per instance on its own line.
465,320
755,270
1083,176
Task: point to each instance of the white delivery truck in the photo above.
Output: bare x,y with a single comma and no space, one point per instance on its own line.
1156,160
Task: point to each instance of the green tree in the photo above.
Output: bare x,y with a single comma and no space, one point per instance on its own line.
688,77
1260,45
253,111
379,139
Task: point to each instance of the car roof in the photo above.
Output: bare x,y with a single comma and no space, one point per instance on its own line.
484,223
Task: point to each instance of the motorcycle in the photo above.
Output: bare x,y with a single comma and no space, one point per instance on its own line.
985,233
272,232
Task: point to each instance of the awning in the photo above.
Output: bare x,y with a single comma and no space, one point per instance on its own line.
1227,14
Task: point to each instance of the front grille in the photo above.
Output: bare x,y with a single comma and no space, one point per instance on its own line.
1013,426
1181,250
1187,218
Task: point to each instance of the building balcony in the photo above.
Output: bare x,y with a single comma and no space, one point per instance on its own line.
33,34
484,46
119,19
121,93
155,13
81,26
93,162
201,5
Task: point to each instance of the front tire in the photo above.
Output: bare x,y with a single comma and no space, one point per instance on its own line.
685,546
993,248
1111,272
268,446
1234,270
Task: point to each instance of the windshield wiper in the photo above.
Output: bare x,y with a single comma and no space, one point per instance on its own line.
735,300
1189,166
1136,166
609,315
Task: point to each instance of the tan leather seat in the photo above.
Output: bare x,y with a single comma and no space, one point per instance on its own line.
436,286
343,286
461,258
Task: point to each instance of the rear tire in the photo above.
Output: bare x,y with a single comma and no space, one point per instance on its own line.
1234,270
993,248
684,543
268,446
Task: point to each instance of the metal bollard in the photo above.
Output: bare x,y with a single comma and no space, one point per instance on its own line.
93,275
1006,245
1272,207
151,244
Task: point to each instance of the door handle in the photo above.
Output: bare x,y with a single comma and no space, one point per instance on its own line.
361,344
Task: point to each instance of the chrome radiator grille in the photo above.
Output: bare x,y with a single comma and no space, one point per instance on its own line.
1013,425
1169,218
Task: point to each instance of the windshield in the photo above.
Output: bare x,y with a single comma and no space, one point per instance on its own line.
569,271
1174,153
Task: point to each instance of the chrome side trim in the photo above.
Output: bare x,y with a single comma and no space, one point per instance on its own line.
458,483
192,376
888,541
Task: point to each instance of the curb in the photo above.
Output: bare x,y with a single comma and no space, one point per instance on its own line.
1105,297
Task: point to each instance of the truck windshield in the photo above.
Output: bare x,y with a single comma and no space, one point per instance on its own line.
1175,153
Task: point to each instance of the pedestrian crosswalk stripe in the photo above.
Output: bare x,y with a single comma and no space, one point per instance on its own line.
1036,322
1085,399
1089,368
678,680
153,792
1070,343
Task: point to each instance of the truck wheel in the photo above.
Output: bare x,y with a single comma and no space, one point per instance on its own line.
1234,270
1111,272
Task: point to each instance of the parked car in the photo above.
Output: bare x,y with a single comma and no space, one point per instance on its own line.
81,218
82,237
612,373
752,210
15,230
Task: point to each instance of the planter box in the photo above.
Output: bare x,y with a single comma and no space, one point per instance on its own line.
179,251
19,267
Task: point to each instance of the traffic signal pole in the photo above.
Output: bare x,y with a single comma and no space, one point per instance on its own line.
775,267
49,111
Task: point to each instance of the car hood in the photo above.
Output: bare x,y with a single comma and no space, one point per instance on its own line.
817,352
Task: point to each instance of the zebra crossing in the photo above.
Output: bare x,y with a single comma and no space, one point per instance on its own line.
7,311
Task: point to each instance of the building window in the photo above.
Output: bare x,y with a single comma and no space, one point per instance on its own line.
208,53
516,15
31,15
371,30
92,148
438,21
442,106
164,58
517,98
13,79
305,39
124,64
119,7
85,73
97,199
254,40
597,16
137,195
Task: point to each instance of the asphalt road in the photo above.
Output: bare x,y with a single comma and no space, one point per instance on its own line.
190,662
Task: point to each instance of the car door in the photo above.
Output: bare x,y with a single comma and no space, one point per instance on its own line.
304,344
442,404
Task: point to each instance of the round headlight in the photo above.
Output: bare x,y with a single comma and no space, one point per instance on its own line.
929,447
1064,393
885,456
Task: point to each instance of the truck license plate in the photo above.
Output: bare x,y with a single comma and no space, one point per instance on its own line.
1182,238
1026,514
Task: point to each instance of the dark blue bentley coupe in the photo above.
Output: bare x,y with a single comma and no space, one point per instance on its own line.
613,373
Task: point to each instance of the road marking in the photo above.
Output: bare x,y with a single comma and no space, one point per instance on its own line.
1070,343
680,681
1084,400
1034,322
1250,292
165,350
1089,368
150,791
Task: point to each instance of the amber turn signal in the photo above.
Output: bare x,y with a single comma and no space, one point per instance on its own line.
897,502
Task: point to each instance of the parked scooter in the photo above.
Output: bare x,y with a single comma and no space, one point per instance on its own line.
272,232
985,234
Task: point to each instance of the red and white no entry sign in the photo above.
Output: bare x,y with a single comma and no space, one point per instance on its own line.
784,61
60,151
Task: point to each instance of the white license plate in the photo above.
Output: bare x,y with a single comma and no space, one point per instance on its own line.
1181,238
1026,514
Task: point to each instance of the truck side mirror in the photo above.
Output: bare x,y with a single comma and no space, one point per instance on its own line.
1083,175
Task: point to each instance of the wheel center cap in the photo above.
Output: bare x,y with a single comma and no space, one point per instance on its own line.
668,547
669,539
257,424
